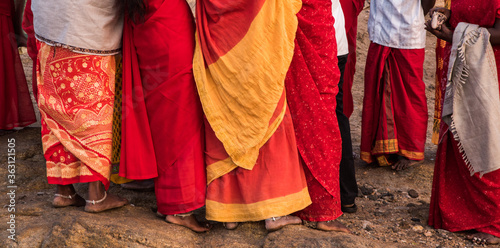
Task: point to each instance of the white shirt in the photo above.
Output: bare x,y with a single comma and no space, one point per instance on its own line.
86,26
338,14
397,23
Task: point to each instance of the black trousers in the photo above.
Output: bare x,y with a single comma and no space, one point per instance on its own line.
348,185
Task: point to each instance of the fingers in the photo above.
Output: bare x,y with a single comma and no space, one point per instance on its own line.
428,26
445,11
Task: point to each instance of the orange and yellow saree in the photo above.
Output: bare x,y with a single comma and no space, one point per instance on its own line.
242,55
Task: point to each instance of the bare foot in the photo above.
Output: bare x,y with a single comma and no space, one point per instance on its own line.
187,221
61,201
404,163
277,223
110,201
483,238
66,196
332,226
230,225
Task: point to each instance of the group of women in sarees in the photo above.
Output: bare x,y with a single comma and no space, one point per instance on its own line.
234,110
227,104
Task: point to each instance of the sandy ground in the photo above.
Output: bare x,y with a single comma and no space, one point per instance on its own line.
393,206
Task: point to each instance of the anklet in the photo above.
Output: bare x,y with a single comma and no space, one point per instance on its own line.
275,218
98,201
65,196
184,214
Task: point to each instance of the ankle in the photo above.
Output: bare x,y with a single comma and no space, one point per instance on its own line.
65,190
96,191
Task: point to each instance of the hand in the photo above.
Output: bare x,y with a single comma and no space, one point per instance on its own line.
445,11
444,33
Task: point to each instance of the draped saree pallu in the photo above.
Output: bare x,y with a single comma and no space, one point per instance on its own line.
243,52
163,134
16,108
394,117
75,98
463,199
311,87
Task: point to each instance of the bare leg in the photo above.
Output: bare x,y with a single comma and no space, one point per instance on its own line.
483,238
66,196
97,193
188,221
274,224
332,226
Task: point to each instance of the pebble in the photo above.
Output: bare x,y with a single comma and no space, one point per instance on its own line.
401,208
367,225
415,219
418,228
428,233
388,197
40,193
367,189
413,193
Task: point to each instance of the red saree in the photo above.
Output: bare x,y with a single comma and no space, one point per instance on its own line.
275,186
351,9
311,87
16,109
162,117
460,201
394,117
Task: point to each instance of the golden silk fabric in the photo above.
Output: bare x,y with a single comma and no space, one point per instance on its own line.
76,95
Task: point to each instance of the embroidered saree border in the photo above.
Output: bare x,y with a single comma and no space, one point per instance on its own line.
389,146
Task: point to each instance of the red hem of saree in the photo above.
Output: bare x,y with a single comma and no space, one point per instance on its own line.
24,124
317,219
79,179
177,211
